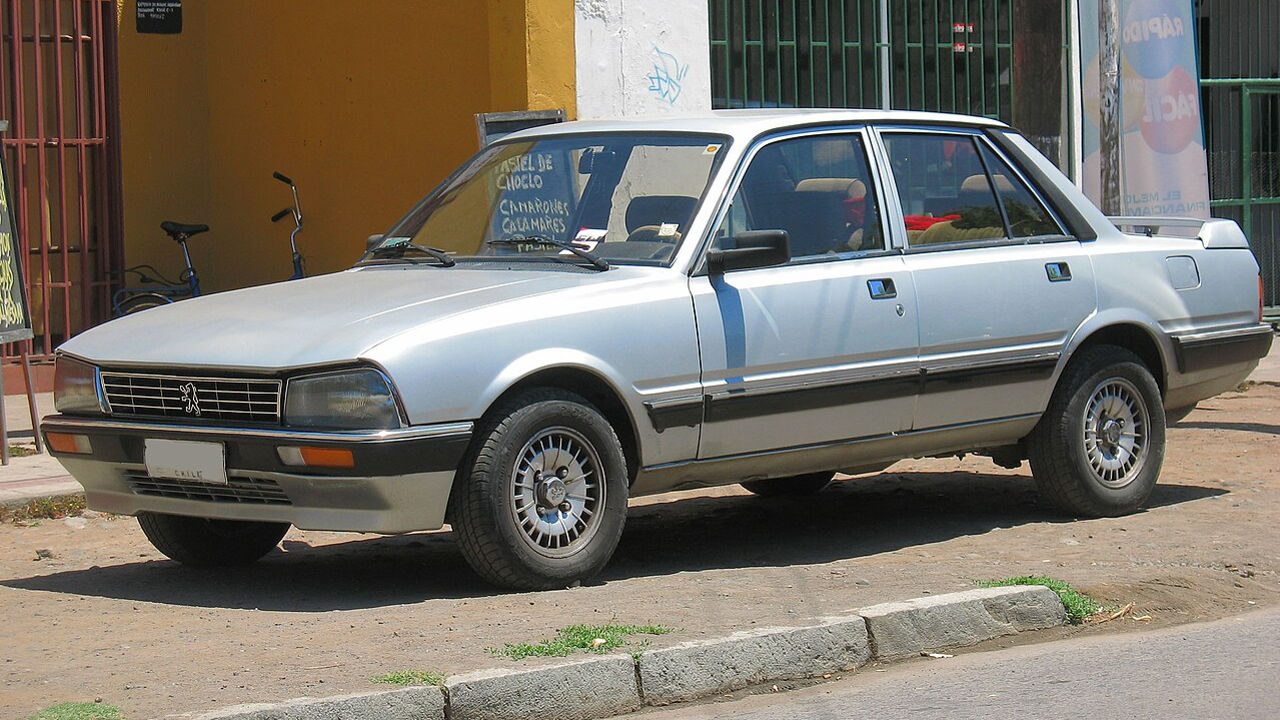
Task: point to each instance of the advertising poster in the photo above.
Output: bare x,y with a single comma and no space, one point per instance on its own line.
1163,170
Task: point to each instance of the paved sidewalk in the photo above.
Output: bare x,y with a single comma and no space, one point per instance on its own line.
1268,369
35,476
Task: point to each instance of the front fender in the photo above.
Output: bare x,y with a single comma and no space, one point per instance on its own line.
536,361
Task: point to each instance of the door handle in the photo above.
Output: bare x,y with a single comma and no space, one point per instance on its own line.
882,288
1058,271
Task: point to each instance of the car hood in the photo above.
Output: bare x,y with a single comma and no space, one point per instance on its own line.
316,321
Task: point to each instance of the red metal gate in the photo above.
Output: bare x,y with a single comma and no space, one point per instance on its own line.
58,91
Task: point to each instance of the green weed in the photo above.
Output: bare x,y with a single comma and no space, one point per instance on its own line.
78,711
411,677
1079,606
50,508
592,638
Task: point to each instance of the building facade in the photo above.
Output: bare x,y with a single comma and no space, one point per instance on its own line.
125,113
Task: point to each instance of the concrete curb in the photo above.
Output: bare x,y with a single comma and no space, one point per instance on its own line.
580,690
964,618
418,703
610,685
14,496
698,669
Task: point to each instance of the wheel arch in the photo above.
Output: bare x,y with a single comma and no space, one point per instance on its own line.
595,388
1133,336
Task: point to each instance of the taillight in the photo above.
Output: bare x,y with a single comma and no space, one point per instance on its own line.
1259,297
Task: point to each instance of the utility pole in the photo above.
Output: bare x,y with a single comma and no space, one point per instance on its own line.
1110,119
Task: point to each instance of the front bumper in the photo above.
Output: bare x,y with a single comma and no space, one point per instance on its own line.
401,479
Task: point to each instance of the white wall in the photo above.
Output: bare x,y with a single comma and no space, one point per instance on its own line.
642,57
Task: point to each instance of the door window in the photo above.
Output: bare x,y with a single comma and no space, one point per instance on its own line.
817,188
955,189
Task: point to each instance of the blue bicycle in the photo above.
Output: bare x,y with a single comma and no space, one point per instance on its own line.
152,288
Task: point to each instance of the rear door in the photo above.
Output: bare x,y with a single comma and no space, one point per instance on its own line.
1000,285
823,348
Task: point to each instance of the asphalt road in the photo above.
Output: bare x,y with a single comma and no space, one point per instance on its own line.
1225,669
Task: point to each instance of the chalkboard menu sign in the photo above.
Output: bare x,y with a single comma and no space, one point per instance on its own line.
15,317
159,17
535,194
495,125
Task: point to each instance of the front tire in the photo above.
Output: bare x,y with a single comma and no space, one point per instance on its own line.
794,485
206,542
1098,449
543,500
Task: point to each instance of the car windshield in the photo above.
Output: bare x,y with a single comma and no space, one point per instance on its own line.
626,198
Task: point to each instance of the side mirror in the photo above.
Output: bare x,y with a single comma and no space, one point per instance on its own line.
374,241
587,161
757,248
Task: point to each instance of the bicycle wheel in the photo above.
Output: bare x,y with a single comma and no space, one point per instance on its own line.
138,303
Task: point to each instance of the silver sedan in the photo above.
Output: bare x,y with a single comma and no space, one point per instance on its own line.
593,311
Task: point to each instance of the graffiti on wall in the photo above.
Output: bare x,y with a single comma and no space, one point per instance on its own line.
667,76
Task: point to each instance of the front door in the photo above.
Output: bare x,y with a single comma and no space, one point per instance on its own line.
822,349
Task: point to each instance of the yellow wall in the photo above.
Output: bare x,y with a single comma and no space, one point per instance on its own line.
532,55
365,105
164,119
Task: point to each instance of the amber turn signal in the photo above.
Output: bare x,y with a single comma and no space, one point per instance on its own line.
316,457
69,443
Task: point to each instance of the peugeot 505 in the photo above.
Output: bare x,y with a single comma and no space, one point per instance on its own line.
594,311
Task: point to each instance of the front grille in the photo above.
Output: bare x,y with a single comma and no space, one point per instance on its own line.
176,396
243,490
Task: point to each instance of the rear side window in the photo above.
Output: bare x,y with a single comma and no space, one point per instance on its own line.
954,189
817,188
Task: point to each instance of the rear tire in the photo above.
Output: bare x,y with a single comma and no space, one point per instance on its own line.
543,496
794,485
1098,449
206,542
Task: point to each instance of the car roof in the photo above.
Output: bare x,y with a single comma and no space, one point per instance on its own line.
750,123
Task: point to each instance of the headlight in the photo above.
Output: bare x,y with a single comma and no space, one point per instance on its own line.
351,400
75,387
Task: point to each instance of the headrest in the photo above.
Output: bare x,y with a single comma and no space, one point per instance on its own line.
852,189
978,183
659,209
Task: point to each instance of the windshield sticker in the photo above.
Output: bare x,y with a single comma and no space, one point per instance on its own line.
588,245
667,230
711,150
589,234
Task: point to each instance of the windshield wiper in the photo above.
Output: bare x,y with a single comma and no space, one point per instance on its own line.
596,261
400,247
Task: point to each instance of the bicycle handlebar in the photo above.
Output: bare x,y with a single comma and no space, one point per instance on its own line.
282,178
282,213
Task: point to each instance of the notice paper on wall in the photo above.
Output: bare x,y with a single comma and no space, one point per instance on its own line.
159,17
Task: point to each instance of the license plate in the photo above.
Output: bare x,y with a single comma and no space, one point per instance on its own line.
203,462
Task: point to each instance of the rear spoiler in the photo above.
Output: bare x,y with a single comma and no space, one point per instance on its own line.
1214,232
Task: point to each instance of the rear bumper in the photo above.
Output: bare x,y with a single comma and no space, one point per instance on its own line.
1196,352
401,479
1213,362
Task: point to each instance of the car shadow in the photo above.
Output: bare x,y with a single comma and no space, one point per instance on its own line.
857,518
1241,426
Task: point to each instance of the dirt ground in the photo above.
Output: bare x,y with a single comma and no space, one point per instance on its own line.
89,610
